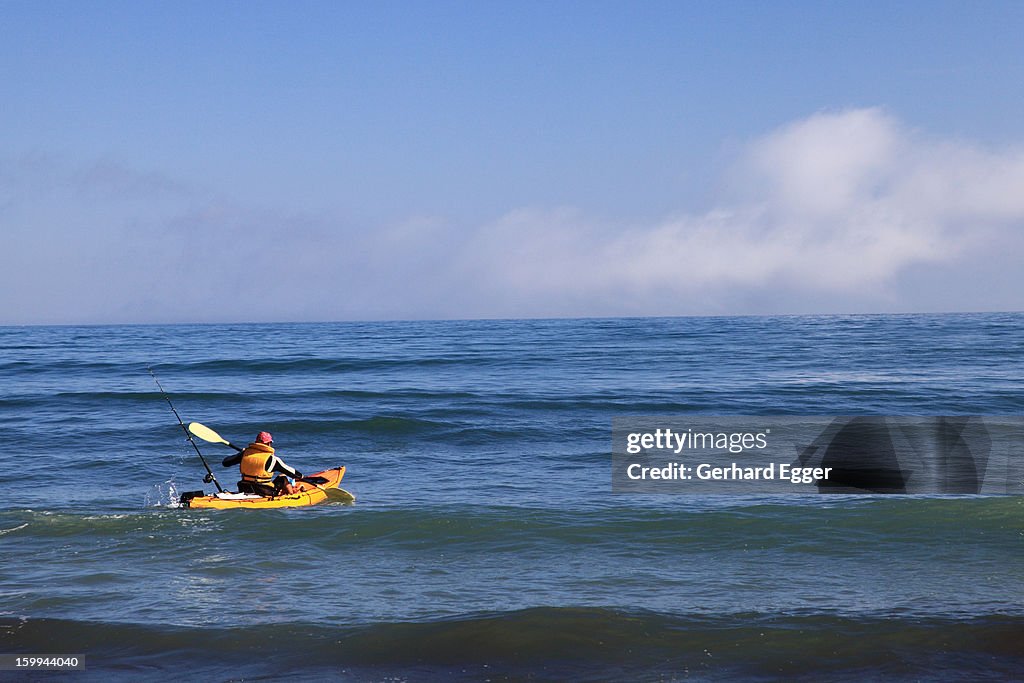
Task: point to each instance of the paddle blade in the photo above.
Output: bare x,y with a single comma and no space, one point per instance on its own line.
340,496
205,433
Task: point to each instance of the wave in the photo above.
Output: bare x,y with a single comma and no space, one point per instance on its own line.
329,365
554,643
98,398
812,525
49,365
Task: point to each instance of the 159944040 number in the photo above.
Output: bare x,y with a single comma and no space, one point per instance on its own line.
41,662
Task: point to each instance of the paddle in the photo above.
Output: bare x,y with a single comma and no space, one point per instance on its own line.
207,434
341,496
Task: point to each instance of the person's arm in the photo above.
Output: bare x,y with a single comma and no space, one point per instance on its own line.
232,460
281,466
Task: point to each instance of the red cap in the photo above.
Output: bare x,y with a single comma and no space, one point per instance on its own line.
264,437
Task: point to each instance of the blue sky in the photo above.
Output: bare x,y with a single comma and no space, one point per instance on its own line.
329,161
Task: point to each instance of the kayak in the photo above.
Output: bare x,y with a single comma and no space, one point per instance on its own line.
313,489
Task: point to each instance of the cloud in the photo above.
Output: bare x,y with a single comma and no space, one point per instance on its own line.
840,203
846,210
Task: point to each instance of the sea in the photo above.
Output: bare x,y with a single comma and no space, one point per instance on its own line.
486,543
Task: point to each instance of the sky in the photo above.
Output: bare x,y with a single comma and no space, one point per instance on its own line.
272,161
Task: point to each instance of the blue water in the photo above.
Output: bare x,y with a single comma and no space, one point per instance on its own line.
485,542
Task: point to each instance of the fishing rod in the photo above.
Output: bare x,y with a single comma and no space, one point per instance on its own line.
209,473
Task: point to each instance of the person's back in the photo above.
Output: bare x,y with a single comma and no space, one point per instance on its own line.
257,464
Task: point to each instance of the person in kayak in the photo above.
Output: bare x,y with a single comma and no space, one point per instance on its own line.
258,464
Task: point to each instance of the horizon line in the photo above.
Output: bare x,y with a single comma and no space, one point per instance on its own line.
195,323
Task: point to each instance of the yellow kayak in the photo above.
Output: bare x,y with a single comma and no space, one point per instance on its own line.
313,489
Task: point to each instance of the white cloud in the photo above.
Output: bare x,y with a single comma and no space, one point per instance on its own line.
840,202
848,210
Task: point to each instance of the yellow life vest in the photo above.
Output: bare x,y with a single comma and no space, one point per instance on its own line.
253,464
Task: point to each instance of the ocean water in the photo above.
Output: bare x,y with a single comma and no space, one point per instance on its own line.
485,543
